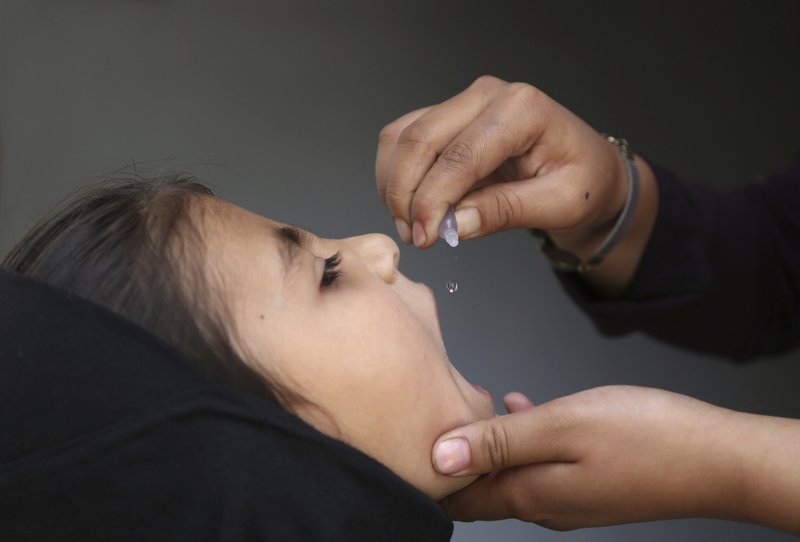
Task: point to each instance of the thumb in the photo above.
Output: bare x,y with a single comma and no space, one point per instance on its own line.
529,203
520,438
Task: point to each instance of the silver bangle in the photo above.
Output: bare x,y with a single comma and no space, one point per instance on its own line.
563,260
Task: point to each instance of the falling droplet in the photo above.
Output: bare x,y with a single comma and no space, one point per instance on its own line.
451,286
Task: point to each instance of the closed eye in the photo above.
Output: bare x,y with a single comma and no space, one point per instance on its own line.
331,271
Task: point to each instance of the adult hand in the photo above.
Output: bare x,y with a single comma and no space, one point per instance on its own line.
507,156
622,454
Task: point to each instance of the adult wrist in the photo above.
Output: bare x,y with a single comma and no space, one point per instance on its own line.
564,256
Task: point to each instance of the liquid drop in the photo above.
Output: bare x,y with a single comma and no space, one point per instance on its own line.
451,286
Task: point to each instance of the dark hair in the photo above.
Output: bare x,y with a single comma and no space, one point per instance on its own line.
133,246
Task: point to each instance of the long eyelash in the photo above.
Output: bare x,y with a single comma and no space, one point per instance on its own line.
332,271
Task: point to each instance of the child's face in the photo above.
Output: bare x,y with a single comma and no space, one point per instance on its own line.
364,346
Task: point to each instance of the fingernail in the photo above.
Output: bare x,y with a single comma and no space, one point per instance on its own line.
403,230
469,221
419,234
452,456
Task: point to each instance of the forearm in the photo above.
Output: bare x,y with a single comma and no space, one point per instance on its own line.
672,456
735,466
769,451
725,464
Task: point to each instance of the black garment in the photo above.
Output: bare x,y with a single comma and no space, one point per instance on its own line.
107,434
721,273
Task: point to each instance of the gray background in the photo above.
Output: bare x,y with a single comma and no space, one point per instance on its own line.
278,104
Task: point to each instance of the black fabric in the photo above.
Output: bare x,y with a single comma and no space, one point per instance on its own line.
108,434
721,273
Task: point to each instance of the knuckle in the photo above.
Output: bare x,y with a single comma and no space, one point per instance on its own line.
460,156
527,101
388,134
487,81
415,134
523,92
487,86
496,447
425,201
508,208
395,198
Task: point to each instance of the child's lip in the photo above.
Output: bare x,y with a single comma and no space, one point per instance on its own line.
482,390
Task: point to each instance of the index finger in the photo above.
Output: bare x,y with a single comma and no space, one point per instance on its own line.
507,128
387,143
409,149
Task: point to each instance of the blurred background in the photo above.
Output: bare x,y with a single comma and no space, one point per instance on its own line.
278,104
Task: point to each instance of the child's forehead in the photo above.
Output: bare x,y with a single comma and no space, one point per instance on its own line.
222,215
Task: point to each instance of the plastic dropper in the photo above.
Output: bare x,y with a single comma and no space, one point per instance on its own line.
448,229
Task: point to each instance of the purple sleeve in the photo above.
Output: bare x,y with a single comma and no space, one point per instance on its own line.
721,273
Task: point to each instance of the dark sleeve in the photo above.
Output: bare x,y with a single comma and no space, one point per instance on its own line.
721,273
108,434
208,467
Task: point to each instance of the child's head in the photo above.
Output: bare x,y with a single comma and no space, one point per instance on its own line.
328,327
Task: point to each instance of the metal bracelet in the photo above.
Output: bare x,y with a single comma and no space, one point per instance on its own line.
563,260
